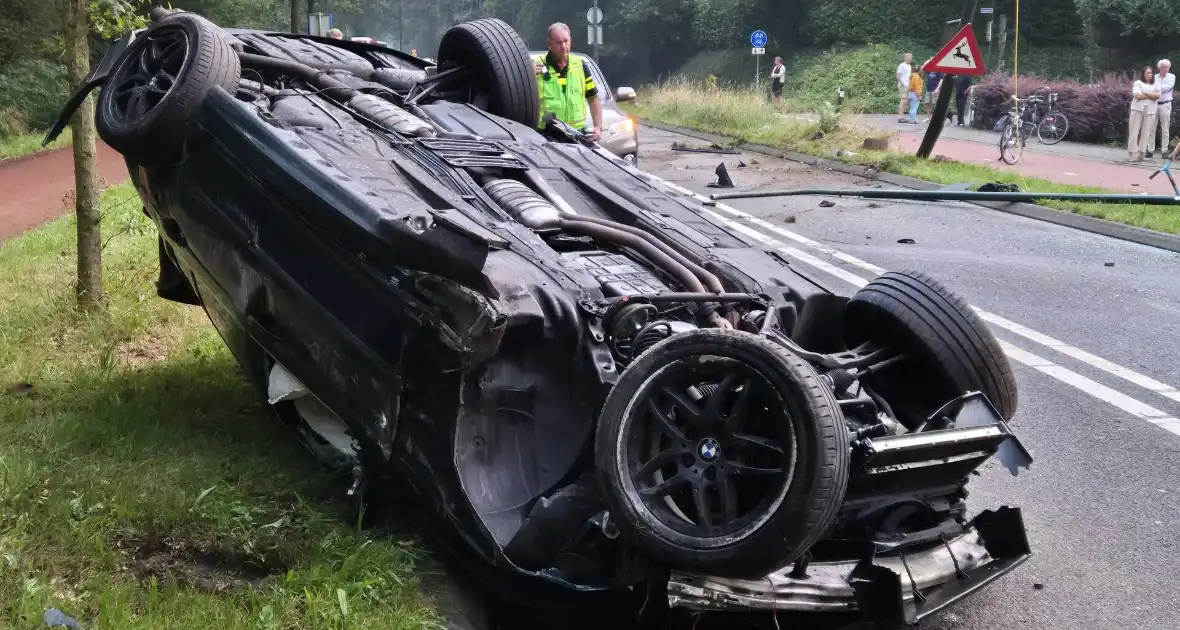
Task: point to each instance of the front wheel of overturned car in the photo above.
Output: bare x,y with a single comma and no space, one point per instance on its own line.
146,106
720,451
503,72
949,350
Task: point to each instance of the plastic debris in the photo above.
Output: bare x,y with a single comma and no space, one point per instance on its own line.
54,618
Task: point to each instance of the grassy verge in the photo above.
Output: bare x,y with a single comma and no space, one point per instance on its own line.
24,144
141,483
750,118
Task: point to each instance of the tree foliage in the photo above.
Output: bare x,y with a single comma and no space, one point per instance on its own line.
1131,22
644,39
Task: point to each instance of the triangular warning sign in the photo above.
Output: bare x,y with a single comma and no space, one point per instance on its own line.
960,56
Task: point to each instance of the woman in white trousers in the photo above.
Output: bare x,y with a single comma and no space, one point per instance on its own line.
1143,110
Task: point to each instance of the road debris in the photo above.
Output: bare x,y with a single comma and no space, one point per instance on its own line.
54,618
826,204
999,187
906,241
19,389
723,179
790,219
710,148
875,144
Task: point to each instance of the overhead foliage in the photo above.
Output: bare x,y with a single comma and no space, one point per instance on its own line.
1124,21
645,39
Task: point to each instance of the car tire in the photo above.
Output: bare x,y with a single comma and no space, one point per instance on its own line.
954,350
157,133
782,531
502,67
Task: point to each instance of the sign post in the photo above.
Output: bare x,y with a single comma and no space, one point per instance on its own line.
319,24
959,56
989,34
594,28
758,44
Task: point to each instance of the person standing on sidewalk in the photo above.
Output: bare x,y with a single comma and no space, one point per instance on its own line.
1165,81
902,79
1144,95
915,95
962,83
777,76
933,82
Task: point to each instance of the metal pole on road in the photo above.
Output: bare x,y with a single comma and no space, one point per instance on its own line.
953,195
938,117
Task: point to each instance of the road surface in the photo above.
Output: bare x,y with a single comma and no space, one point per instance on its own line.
1091,325
39,188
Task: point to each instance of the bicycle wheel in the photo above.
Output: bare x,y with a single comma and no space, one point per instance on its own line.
1011,145
1052,128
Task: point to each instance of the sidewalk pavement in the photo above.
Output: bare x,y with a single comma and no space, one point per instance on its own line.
1065,162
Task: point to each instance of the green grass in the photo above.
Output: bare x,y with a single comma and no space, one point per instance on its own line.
24,144
748,117
130,443
738,114
813,77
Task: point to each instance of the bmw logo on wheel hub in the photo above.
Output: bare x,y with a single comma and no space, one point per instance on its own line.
709,450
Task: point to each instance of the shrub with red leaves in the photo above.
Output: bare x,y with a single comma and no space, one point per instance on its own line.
1097,113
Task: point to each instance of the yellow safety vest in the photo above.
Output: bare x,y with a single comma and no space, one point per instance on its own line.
566,98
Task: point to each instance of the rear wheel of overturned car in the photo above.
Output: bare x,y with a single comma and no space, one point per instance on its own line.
949,350
720,451
147,105
505,82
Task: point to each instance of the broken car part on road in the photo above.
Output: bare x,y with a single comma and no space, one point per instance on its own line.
590,384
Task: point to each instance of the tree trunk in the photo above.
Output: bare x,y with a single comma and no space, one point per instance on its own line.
295,16
89,287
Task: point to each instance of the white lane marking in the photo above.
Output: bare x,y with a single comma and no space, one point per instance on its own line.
1090,359
1095,389
1145,382
1070,174
1073,379
846,276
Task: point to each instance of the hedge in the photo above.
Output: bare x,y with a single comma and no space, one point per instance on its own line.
1098,113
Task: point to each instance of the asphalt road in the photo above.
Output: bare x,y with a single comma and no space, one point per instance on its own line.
1091,325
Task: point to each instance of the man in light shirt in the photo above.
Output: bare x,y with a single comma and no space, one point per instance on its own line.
1165,81
903,86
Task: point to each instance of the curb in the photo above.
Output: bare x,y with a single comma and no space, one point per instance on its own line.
1142,236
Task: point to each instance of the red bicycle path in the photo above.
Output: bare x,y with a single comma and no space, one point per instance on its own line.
1055,168
39,188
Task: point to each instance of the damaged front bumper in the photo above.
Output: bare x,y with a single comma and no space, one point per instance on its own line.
897,580
900,588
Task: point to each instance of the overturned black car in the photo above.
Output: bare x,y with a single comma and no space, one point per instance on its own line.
590,381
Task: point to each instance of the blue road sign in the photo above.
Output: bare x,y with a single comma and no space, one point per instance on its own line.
758,39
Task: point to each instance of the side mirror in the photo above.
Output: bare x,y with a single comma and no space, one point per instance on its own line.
625,94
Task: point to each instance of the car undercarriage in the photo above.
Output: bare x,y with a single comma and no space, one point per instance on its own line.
587,381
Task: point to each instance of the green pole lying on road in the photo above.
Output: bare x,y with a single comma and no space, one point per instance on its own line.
955,195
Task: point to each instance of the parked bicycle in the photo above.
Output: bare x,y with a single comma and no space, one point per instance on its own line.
1050,127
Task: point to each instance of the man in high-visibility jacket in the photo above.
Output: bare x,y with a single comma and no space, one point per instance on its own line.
565,85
